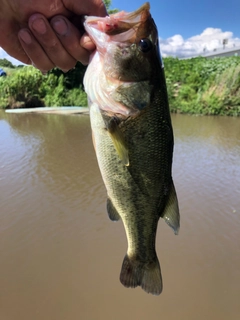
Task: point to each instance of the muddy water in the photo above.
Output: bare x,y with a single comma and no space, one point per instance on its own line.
60,255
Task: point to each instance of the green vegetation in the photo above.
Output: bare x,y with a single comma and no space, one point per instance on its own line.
5,63
204,86
28,87
197,86
108,4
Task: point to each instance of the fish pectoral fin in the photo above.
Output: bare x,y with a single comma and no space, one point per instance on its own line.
118,140
137,273
171,211
112,212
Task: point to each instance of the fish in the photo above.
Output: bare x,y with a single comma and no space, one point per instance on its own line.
133,136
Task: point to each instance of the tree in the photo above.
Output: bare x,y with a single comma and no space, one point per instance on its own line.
5,63
108,4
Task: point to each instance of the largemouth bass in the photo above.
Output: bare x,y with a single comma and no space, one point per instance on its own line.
132,135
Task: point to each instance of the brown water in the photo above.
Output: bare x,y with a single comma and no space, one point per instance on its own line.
60,255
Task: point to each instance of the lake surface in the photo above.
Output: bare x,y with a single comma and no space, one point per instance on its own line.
60,255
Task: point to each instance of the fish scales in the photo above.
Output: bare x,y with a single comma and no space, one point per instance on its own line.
133,139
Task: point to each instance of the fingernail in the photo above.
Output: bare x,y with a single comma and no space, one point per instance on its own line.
39,26
25,36
60,26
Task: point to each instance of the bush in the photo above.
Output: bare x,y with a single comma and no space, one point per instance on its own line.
204,86
199,85
28,87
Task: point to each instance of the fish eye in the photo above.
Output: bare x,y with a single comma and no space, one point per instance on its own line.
145,45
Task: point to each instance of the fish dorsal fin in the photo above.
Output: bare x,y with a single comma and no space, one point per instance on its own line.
171,210
118,140
112,212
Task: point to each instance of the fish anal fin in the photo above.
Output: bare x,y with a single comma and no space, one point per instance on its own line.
171,211
112,212
118,140
145,274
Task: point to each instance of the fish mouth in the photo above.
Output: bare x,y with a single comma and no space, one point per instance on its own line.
122,26
119,22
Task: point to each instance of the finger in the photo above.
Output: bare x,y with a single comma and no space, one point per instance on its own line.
35,52
16,51
50,43
87,43
10,43
70,37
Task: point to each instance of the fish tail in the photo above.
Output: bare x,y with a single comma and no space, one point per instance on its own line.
147,275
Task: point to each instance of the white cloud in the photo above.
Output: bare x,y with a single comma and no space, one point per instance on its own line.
208,40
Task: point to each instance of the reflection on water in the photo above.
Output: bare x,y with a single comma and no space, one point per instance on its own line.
61,255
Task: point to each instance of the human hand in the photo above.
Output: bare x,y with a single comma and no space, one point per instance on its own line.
14,15
48,48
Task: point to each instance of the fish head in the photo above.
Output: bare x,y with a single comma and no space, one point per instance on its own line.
128,52
127,43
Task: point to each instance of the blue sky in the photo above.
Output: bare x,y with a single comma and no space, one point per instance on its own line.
189,17
188,27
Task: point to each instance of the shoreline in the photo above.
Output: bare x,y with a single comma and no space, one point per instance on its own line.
51,110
